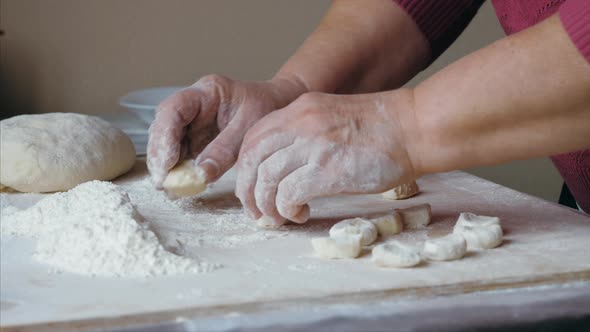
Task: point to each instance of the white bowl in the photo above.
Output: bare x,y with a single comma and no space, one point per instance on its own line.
143,103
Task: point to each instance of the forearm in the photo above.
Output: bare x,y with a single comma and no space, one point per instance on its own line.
524,96
360,46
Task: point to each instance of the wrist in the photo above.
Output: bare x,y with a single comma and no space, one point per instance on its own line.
401,103
288,87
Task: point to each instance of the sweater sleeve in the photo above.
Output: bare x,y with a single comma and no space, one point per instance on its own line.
441,21
575,17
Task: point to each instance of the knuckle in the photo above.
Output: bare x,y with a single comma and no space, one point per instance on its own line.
308,109
245,160
181,101
248,143
309,99
217,94
212,80
322,157
265,173
182,98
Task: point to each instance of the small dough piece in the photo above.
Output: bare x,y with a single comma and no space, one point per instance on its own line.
447,248
403,191
480,237
58,151
337,248
416,217
480,232
472,219
388,224
267,222
396,254
183,180
357,226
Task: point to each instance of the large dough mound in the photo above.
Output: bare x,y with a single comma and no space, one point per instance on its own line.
57,151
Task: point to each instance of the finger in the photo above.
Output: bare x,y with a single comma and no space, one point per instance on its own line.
300,187
167,131
250,157
270,173
221,154
203,129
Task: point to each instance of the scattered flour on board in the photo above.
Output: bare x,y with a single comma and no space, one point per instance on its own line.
94,229
8,210
211,220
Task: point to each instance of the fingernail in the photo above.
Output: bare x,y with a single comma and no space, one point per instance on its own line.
157,179
269,222
250,214
208,169
302,216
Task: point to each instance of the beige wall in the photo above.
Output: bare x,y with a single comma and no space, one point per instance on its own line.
71,55
80,56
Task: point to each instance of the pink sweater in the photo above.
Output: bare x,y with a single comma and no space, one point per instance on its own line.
442,21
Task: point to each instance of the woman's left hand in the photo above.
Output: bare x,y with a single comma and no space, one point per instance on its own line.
322,145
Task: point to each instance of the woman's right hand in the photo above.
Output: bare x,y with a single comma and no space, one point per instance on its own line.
325,145
208,121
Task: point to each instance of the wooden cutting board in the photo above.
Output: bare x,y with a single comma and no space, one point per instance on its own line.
544,244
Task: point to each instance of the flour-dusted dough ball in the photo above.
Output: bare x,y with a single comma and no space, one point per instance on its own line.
481,237
337,248
416,217
183,180
396,254
357,226
446,248
57,151
472,219
388,224
403,191
480,232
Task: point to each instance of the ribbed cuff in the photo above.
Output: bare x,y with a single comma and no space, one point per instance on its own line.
432,17
575,16
574,167
441,21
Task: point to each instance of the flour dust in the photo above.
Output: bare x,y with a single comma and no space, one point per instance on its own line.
94,229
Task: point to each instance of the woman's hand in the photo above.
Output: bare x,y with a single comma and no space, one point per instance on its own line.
323,145
209,119
347,53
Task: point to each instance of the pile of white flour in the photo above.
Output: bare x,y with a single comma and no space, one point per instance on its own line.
94,229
